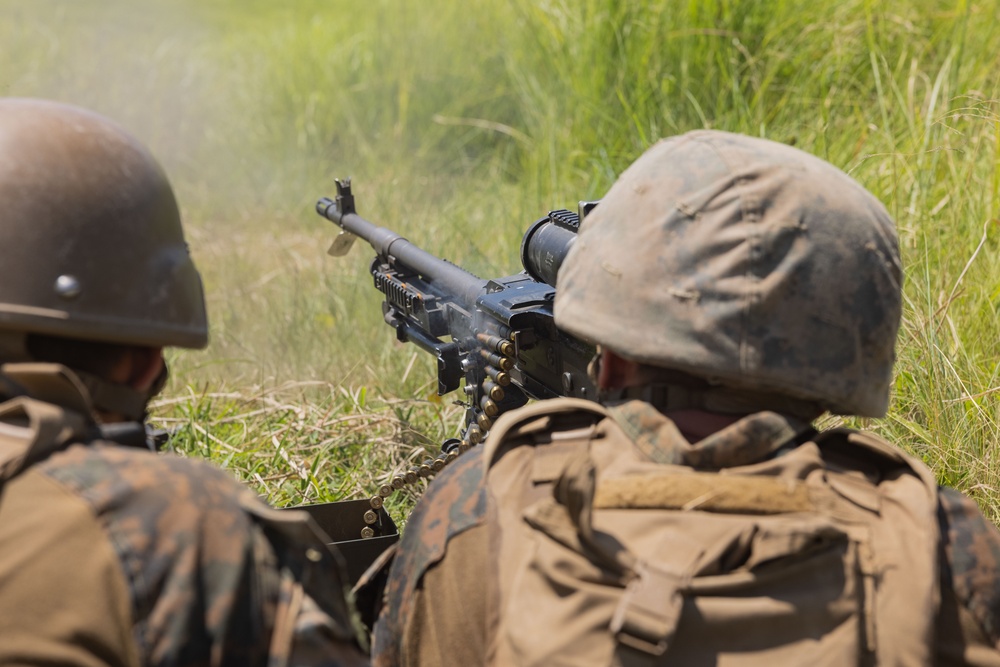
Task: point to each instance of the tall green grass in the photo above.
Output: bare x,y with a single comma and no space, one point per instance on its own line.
463,122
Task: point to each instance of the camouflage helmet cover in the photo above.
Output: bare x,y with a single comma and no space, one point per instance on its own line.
746,262
91,245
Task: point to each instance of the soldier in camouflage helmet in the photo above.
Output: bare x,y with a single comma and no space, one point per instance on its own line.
112,554
737,289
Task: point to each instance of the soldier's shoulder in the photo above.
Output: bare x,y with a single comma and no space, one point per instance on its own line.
158,508
107,476
457,499
186,543
556,414
454,502
971,559
542,423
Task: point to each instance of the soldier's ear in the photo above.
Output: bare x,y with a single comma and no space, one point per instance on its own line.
617,372
146,366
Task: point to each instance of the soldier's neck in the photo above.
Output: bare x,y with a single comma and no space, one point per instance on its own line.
696,425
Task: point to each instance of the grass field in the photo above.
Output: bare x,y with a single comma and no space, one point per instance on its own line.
463,122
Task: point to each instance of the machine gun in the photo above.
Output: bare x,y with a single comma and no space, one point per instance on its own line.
496,339
498,335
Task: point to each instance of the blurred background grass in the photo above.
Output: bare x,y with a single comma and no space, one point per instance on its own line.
463,122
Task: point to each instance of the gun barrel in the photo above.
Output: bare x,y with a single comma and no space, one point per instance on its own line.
396,250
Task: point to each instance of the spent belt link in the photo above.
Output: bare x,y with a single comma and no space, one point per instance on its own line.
482,412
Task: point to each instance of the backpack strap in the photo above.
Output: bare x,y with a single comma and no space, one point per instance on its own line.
907,495
30,431
545,421
861,446
49,411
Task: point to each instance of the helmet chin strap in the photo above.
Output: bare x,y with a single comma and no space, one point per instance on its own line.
85,394
122,399
666,395
114,398
722,400
110,397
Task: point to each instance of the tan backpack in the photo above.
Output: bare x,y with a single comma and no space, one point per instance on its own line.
826,555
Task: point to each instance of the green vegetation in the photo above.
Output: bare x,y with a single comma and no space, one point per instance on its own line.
463,122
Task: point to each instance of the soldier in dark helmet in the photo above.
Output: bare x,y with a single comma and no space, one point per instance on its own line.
112,554
737,289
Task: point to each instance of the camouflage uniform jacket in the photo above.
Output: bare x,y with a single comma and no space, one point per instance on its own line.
440,609
112,555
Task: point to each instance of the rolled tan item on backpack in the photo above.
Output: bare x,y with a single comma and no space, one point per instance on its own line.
704,492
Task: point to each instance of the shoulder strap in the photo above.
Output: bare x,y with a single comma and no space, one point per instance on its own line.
51,383
49,410
14,443
31,430
862,444
537,419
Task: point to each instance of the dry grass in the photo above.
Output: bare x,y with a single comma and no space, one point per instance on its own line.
311,442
